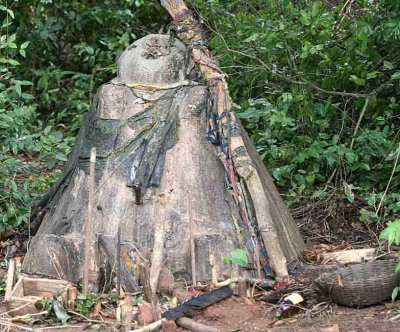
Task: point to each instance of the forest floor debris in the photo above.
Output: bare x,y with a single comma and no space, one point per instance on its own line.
254,312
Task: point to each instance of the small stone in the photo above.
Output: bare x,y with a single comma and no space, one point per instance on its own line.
145,315
168,326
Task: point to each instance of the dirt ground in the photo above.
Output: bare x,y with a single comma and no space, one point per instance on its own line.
237,315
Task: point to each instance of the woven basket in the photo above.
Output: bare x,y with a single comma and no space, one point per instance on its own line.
360,285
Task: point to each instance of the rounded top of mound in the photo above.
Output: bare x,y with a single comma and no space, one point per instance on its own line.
153,60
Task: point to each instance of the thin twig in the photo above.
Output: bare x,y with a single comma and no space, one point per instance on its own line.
359,122
91,320
390,180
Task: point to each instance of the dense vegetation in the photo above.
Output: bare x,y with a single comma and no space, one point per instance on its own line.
315,82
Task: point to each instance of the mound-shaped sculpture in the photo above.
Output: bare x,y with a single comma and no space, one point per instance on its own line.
148,126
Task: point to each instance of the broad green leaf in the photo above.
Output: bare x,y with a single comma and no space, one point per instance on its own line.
395,292
373,74
239,257
10,12
388,64
391,233
18,88
396,76
251,38
357,80
13,62
304,17
47,130
24,45
13,186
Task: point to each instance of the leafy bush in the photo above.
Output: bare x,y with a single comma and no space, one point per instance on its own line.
317,86
25,142
53,56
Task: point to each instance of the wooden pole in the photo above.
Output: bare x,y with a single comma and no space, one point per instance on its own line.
191,235
119,262
10,279
157,257
214,270
126,312
88,260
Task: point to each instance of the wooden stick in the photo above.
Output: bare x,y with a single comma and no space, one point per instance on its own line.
126,312
89,221
144,277
191,325
10,279
151,327
119,261
214,270
257,257
72,295
157,257
191,230
260,282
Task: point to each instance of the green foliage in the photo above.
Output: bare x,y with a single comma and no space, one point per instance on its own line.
137,299
318,90
85,302
26,144
53,56
392,234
